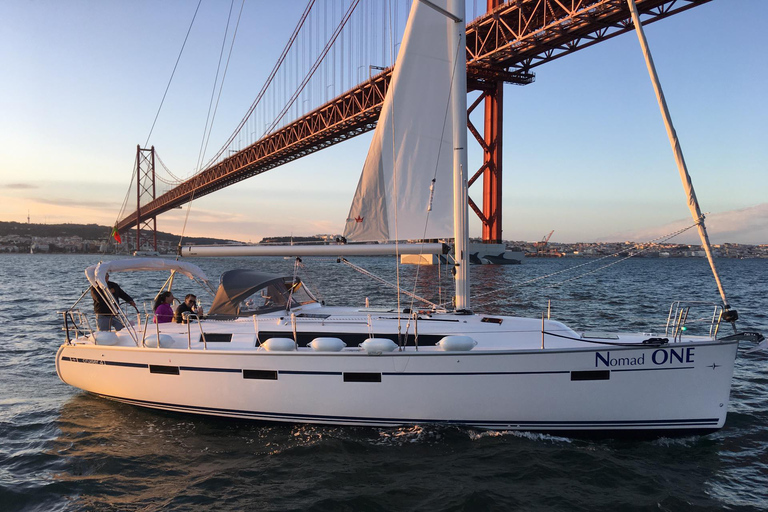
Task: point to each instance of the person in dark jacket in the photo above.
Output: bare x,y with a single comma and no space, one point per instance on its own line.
189,306
105,319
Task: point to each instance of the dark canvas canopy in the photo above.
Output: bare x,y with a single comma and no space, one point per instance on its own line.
244,291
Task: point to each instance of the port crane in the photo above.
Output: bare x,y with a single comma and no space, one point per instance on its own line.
544,241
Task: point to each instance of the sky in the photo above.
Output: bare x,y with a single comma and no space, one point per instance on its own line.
585,149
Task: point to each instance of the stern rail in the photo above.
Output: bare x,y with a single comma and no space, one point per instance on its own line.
75,324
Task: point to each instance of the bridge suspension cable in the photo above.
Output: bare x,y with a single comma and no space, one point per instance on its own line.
181,51
341,98
211,117
266,85
336,45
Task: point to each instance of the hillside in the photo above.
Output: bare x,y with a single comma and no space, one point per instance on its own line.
87,232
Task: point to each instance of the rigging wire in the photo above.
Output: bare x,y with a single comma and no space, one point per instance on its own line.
294,282
437,160
662,238
173,72
310,284
388,284
186,219
159,108
128,192
204,144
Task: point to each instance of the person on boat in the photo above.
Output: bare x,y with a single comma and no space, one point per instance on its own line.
163,309
189,306
105,319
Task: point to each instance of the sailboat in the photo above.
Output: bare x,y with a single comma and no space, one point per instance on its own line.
269,350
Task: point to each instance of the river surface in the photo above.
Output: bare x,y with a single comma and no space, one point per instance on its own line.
63,449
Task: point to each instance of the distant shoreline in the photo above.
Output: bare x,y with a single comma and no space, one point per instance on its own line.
18,237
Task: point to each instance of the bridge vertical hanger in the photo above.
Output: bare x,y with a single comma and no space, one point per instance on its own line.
693,204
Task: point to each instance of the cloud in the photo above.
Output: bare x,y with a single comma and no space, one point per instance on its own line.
89,203
21,186
746,226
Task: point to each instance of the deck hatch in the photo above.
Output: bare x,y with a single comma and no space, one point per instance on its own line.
216,337
591,375
362,377
491,320
260,374
165,370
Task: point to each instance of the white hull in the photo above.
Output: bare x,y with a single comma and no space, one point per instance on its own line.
486,372
507,382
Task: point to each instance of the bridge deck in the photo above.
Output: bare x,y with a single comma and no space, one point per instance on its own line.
503,45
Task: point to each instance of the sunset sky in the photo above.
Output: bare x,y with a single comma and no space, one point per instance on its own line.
585,150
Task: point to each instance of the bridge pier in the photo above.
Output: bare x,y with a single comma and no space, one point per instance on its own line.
146,192
492,133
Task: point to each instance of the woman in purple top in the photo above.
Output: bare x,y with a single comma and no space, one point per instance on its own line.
163,309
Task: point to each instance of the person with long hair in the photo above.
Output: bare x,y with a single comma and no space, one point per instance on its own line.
163,309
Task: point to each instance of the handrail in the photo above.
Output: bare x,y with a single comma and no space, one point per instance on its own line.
678,317
75,323
144,330
189,318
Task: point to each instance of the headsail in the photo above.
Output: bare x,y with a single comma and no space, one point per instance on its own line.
412,144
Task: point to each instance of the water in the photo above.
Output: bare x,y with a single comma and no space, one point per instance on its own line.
62,449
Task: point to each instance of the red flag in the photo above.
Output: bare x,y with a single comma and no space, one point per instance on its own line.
116,235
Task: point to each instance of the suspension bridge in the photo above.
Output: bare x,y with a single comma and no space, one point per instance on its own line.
329,83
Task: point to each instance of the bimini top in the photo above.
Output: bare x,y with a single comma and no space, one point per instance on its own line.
96,274
247,292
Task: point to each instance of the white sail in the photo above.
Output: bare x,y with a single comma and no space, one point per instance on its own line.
412,144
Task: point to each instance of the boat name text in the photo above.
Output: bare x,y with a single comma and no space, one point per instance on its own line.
659,357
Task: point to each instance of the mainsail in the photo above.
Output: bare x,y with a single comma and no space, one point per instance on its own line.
406,187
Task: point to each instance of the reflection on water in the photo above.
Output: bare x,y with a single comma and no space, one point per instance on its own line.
122,457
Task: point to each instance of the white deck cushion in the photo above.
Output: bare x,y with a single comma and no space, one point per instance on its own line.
279,345
375,346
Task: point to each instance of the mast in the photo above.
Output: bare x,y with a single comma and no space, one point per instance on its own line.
693,204
459,113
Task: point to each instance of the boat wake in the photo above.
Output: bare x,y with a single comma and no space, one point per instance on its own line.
476,435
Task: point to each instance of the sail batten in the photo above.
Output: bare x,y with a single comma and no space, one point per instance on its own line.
406,186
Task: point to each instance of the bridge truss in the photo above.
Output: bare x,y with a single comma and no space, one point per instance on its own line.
503,46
